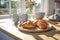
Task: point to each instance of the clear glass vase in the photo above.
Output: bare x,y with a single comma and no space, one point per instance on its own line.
31,14
31,17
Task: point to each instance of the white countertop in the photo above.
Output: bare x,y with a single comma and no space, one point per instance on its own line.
8,26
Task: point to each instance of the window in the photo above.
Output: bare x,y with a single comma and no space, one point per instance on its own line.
9,6
3,0
38,5
14,4
3,4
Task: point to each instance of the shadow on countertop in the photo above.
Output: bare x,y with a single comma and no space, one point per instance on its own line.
50,33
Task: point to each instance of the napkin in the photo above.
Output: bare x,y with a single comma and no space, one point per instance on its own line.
55,17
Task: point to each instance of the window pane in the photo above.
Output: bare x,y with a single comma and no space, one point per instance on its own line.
14,4
38,5
3,0
0,0
15,0
3,4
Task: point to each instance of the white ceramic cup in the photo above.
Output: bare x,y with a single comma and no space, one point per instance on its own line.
23,17
39,15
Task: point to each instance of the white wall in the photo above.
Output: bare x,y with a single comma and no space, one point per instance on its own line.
42,6
51,7
47,6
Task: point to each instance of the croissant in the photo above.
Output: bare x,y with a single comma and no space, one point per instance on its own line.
28,25
42,24
35,22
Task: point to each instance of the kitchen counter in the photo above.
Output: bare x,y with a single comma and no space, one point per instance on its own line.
7,26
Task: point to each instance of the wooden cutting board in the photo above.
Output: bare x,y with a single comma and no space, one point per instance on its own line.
35,30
